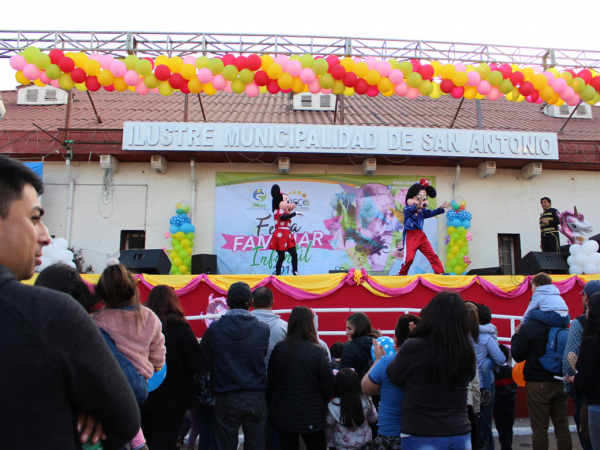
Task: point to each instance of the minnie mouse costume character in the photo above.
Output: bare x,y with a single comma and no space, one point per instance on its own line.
415,214
283,239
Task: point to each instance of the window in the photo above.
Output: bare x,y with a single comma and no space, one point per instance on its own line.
324,101
32,95
306,101
509,252
50,95
133,239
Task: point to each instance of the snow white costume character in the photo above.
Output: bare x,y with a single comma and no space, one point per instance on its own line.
283,240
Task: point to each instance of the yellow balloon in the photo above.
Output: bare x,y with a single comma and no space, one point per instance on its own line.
480,97
80,59
546,93
263,89
92,67
285,81
349,92
120,84
554,99
164,88
65,82
71,55
274,71
161,60
361,69
559,102
266,62
177,261
388,93
447,72
470,92
209,89
38,83
195,86
22,79
469,68
437,92
338,87
175,64
555,72
174,256
348,64
298,86
437,68
80,87
106,78
185,243
539,81
528,73
460,79
520,99
189,251
131,88
183,269
384,85
188,71
373,77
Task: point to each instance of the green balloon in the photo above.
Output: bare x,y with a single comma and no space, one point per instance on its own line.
406,68
41,61
175,242
461,230
131,61
53,72
588,93
452,262
495,78
454,236
326,81
465,250
238,86
189,236
179,210
143,67
29,53
203,62
295,58
187,262
394,63
426,87
578,84
174,270
506,87
414,80
191,244
460,255
230,72
186,209
216,66
178,248
183,255
307,61
320,66
456,207
247,76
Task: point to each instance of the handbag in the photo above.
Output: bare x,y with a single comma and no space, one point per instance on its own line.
204,387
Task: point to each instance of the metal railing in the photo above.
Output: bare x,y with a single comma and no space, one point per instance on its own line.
181,44
513,319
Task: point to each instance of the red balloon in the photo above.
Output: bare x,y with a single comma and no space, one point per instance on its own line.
535,95
228,59
361,87
446,86
261,78
184,88
110,88
586,75
516,78
350,79
426,71
572,72
151,61
333,61
240,63
493,66
272,86
78,75
416,64
506,70
66,64
338,71
56,55
253,62
91,82
458,92
373,91
286,91
595,83
162,72
176,80
526,88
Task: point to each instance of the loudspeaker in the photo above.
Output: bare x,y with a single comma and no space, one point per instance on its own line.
536,262
339,271
486,271
204,263
154,262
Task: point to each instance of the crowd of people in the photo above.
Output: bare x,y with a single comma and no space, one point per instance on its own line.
77,365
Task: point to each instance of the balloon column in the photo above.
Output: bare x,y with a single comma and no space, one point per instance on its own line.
182,239
253,74
584,257
457,241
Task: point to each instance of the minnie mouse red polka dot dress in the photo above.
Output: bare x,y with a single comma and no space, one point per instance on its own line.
282,239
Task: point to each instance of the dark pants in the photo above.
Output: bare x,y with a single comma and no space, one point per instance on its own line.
313,441
504,417
272,433
485,420
161,430
234,409
205,418
281,258
551,242
578,402
545,401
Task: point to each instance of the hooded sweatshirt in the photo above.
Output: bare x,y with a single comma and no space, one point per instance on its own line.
237,343
357,355
546,298
277,326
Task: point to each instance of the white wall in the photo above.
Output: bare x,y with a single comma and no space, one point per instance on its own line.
504,203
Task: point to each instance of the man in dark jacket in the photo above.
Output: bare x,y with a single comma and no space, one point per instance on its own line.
53,361
237,344
546,398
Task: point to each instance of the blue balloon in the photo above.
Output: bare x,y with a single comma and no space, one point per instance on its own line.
174,229
452,273
186,228
449,223
193,229
388,345
456,223
157,378
466,224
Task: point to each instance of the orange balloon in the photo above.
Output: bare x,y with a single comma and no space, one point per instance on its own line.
517,373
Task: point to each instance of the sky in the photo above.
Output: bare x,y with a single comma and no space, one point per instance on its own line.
551,23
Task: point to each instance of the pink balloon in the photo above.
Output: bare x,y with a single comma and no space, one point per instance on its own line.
106,62
384,68
44,78
460,67
314,87
371,62
228,87
205,75
282,60
18,62
483,87
154,91
141,87
326,91
31,72
307,76
395,76
537,69
494,94
294,68
131,78
412,93
559,85
528,98
252,89
539,100
96,56
54,83
473,78
549,76
574,101
219,82
357,60
118,68
401,88
567,94
189,59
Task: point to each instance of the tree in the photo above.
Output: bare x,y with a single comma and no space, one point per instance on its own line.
80,262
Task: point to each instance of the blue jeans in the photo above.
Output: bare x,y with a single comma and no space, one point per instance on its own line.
205,419
462,442
550,318
486,418
233,409
594,424
487,374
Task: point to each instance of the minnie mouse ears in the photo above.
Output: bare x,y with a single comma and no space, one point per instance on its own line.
423,184
277,196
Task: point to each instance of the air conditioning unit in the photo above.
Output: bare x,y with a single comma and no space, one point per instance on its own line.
159,163
582,111
47,95
109,162
369,166
314,102
486,169
532,170
284,165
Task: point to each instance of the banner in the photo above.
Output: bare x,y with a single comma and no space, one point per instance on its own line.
349,222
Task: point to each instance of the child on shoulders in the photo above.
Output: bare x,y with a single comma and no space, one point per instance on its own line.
546,304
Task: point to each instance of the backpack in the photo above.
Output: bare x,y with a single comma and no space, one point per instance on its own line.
555,349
